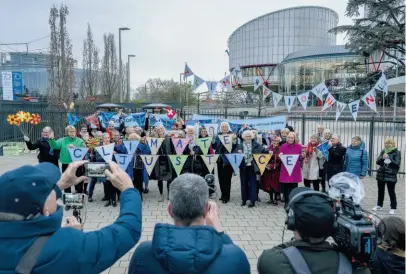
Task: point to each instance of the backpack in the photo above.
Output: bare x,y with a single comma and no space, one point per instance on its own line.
300,266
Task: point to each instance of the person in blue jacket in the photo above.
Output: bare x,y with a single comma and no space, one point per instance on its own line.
30,223
195,243
356,158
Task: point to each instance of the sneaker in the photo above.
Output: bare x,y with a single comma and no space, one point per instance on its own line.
392,212
90,199
161,198
375,208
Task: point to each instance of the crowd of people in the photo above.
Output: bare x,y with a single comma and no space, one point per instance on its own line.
33,241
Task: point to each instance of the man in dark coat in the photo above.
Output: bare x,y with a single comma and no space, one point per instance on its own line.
195,243
336,157
46,153
311,217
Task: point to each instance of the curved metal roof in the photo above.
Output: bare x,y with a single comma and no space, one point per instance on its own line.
318,51
277,11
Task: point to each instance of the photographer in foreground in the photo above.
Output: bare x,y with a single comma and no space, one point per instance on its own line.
195,243
311,217
31,237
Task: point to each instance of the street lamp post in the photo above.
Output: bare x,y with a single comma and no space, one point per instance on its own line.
120,86
180,86
128,75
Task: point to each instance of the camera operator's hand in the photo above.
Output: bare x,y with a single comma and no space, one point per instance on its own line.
69,177
51,136
73,222
26,138
212,217
118,177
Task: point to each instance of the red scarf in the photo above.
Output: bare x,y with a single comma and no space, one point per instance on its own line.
309,150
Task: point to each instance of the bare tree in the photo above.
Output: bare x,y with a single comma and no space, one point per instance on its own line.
91,66
110,71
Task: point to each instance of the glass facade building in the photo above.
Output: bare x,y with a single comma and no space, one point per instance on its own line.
264,42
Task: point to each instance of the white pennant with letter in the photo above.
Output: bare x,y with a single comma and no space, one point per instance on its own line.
320,90
106,152
131,146
155,144
303,99
257,83
354,106
211,86
227,141
276,98
289,100
77,153
289,161
382,84
369,99
210,161
330,100
265,92
226,82
340,107
197,81
123,160
149,162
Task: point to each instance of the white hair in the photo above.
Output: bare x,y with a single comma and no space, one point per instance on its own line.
248,132
336,136
225,123
48,128
69,128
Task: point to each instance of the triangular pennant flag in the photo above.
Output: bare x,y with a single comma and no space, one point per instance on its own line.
197,81
211,129
77,153
204,144
188,72
226,82
262,160
265,92
123,160
257,83
235,160
180,144
73,119
303,99
354,106
369,99
227,141
382,84
289,161
276,98
177,162
289,100
149,162
210,161
340,107
131,146
320,90
106,152
155,144
211,86
236,72
330,100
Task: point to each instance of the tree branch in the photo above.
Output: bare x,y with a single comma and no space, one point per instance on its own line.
393,56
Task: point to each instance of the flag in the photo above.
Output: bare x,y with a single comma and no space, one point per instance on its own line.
236,72
289,100
276,98
131,146
149,162
155,144
197,81
188,72
92,119
354,106
210,160
227,141
289,162
123,160
204,144
106,152
257,83
262,160
77,153
369,99
382,84
265,92
303,99
170,113
330,100
73,119
340,107
177,162
320,90
180,145
211,86
235,160
226,82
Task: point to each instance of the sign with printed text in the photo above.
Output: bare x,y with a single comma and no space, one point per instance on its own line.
289,161
262,160
106,152
77,153
210,161
177,162
149,162
204,144
123,160
235,161
131,146
227,141
155,144
180,144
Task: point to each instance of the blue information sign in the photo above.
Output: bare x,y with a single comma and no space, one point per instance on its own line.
17,83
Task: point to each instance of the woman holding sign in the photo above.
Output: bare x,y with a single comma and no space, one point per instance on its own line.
224,143
270,179
194,163
248,177
291,156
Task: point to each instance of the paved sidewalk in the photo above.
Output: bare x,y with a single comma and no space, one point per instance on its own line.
252,229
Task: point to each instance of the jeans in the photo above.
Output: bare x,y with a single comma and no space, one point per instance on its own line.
248,180
391,192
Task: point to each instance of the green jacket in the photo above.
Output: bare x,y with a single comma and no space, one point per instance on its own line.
63,145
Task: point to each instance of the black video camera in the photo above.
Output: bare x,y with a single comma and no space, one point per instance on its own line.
355,234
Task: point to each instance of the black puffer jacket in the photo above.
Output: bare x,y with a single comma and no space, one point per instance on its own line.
388,172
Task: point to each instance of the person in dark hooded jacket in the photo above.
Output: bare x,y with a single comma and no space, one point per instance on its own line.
336,157
195,243
46,153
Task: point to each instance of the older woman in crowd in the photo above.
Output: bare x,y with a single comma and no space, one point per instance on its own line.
312,164
284,134
323,147
290,181
194,163
46,153
248,147
270,179
356,158
389,163
225,170
336,157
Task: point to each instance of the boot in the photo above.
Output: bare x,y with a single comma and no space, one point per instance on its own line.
114,203
105,199
252,204
161,198
243,203
108,203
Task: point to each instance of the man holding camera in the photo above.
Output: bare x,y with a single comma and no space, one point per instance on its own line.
31,237
196,243
311,218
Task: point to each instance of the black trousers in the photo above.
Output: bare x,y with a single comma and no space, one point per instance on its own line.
138,180
323,175
225,174
79,188
112,192
391,192
287,188
161,186
315,183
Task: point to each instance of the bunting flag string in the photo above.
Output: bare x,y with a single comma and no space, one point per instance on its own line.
106,152
257,83
369,99
211,86
77,153
330,100
210,161
289,100
227,141
265,92
289,162
187,72
197,81
262,160
354,106
320,90
178,161
204,144
149,162
179,144
276,98
382,84
155,144
123,160
303,99
226,83
340,107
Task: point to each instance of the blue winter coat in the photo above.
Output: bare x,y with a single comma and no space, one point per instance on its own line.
186,250
69,250
356,160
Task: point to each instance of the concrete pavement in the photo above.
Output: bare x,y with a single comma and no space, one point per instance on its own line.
253,229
